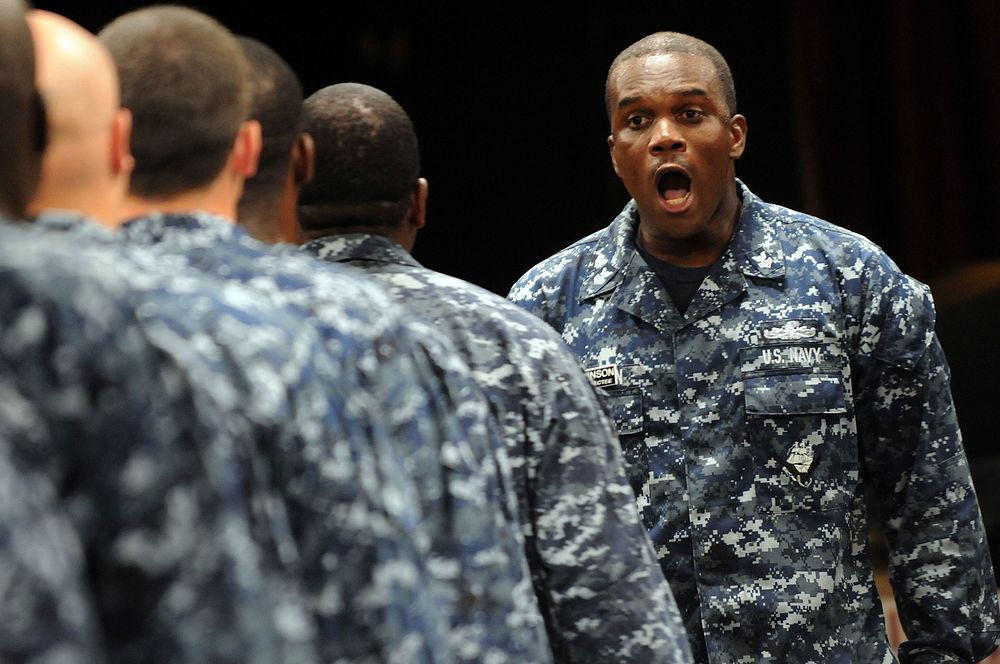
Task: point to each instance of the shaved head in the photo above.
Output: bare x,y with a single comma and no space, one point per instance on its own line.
79,83
185,79
20,119
367,159
267,208
663,43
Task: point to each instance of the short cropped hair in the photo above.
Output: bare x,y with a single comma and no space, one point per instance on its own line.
662,43
276,102
184,77
367,159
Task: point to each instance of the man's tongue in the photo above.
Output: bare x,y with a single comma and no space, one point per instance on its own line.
674,187
675,194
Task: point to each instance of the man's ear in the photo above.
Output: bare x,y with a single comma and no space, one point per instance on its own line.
416,217
303,160
246,149
738,131
122,161
611,150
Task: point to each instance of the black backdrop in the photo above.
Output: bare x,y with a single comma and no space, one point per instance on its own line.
508,105
879,116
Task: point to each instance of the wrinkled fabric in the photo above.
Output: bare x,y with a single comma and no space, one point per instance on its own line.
805,373
317,520
429,405
170,571
45,611
593,569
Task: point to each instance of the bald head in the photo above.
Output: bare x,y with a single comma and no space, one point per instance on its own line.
86,162
20,121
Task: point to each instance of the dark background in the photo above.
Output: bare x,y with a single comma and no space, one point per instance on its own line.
881,116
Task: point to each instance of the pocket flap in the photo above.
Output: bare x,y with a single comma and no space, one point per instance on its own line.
794,393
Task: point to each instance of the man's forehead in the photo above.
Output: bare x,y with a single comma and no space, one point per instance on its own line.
673,73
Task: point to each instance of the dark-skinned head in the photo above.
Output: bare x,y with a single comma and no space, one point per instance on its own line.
674,142
22,120
276,103
661,43
367,160
184,77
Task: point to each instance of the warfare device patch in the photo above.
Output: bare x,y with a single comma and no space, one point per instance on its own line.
800,462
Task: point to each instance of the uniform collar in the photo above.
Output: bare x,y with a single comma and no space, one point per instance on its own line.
68,221
757,245
195,227
360,246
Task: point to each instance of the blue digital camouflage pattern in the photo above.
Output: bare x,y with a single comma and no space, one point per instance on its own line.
431,405
260,416
593,568
805,373
45,613
172,573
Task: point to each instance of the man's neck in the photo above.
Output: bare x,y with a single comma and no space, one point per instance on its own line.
139,206
699,250
218,198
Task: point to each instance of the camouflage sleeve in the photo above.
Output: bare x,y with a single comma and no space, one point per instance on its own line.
45,613
610,599
921,488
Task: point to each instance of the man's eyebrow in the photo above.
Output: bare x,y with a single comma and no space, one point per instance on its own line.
683,92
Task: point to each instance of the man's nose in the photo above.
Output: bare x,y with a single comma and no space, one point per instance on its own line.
666,136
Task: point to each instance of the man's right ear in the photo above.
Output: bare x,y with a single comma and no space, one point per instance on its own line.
611,151
122,161
417,214
303,159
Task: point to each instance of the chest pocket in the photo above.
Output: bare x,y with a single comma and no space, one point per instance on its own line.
797,426
624,404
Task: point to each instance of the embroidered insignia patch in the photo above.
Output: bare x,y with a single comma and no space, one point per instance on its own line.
799,463
763,260
790,330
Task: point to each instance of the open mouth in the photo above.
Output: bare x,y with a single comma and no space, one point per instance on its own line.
674,186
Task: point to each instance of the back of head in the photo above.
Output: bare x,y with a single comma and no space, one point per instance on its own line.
276,103
662,43
78,82
184,77
367,160
21,121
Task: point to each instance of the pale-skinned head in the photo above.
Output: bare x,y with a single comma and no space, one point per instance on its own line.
87,162
185,80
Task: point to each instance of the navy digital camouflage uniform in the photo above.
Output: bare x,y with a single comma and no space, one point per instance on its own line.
432,406
172,573
593,568
45,613
257,420
805,373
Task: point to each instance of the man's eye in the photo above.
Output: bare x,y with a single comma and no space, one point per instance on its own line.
637,121
691,114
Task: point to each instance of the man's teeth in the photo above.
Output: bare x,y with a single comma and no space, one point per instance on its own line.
675,201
